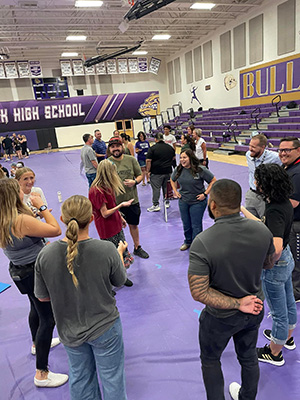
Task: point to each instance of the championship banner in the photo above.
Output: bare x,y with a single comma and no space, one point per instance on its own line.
23,68
78,67
154,65
260,84
37,114
90,70
143,64
11,70
35,69
66,68
111,66
101,68
2,72
122,65
133,65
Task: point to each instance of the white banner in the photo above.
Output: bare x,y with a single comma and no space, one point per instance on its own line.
111,66
143,64
11,69
101,68
66,68
90,70
123,65
23,68
35,69
2,72
78,67
133,65
154,65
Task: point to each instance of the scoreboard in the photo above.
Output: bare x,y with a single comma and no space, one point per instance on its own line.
50,88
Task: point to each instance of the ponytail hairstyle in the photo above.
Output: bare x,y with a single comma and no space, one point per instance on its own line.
76,213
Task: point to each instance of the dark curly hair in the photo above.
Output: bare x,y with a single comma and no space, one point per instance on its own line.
273,183
194,161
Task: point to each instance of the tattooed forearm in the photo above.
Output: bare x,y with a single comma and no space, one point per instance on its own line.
200,290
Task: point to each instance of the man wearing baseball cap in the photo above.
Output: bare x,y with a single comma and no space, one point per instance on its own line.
131,175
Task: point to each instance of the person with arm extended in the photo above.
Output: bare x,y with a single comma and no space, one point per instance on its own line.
226,262
275,187
76,274
21,237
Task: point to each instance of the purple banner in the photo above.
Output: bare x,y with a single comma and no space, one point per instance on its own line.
260,84
33,114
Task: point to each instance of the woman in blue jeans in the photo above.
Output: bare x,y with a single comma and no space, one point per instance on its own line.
191,175
77,274
275,187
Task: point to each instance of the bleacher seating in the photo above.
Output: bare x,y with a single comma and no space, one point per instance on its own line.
215,122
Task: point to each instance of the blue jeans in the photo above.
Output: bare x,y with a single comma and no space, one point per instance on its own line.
278,289
191,216
106,353
214,335
90,178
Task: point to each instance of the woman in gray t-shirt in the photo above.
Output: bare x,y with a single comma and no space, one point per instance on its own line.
192,194
77,274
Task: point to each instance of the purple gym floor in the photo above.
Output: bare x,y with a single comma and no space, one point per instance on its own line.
159,317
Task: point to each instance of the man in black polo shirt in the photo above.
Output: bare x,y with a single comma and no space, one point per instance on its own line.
7,145
289,153
226,261
159,164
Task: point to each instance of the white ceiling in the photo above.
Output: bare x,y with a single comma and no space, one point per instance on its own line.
37,29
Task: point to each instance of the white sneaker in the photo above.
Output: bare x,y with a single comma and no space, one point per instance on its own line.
234,389
53,380
54,342
153,209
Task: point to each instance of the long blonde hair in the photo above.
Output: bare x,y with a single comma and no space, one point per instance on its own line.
21,171
11,206
76,213
107,178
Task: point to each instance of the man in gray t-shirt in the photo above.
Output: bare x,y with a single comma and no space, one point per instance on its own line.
226,262
88,158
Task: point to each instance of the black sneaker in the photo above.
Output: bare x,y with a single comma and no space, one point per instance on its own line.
289,344
140,252
128,283
264,354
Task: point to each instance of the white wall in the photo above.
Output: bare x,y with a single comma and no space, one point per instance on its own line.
72,135
218,96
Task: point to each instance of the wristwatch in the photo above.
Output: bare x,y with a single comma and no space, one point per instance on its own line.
43,208
136,183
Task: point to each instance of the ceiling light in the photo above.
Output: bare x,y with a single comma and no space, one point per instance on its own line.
140,53
161,37
88,3
69,54
202,6
76,38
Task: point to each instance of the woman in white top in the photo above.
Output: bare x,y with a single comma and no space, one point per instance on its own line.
200,147
26,178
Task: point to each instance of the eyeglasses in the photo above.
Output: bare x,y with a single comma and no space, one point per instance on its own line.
287,151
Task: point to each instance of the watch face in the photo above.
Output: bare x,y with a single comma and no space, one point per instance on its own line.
43,208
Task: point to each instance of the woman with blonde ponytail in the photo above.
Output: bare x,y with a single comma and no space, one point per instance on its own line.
77,274
21,237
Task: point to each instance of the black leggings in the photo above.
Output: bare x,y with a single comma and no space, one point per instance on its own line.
41,323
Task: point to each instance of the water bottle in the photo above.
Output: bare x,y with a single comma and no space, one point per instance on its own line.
59,197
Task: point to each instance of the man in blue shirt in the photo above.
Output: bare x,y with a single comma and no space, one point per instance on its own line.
99,146
256,155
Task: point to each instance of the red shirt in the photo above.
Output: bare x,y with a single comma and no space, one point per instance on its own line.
106,227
